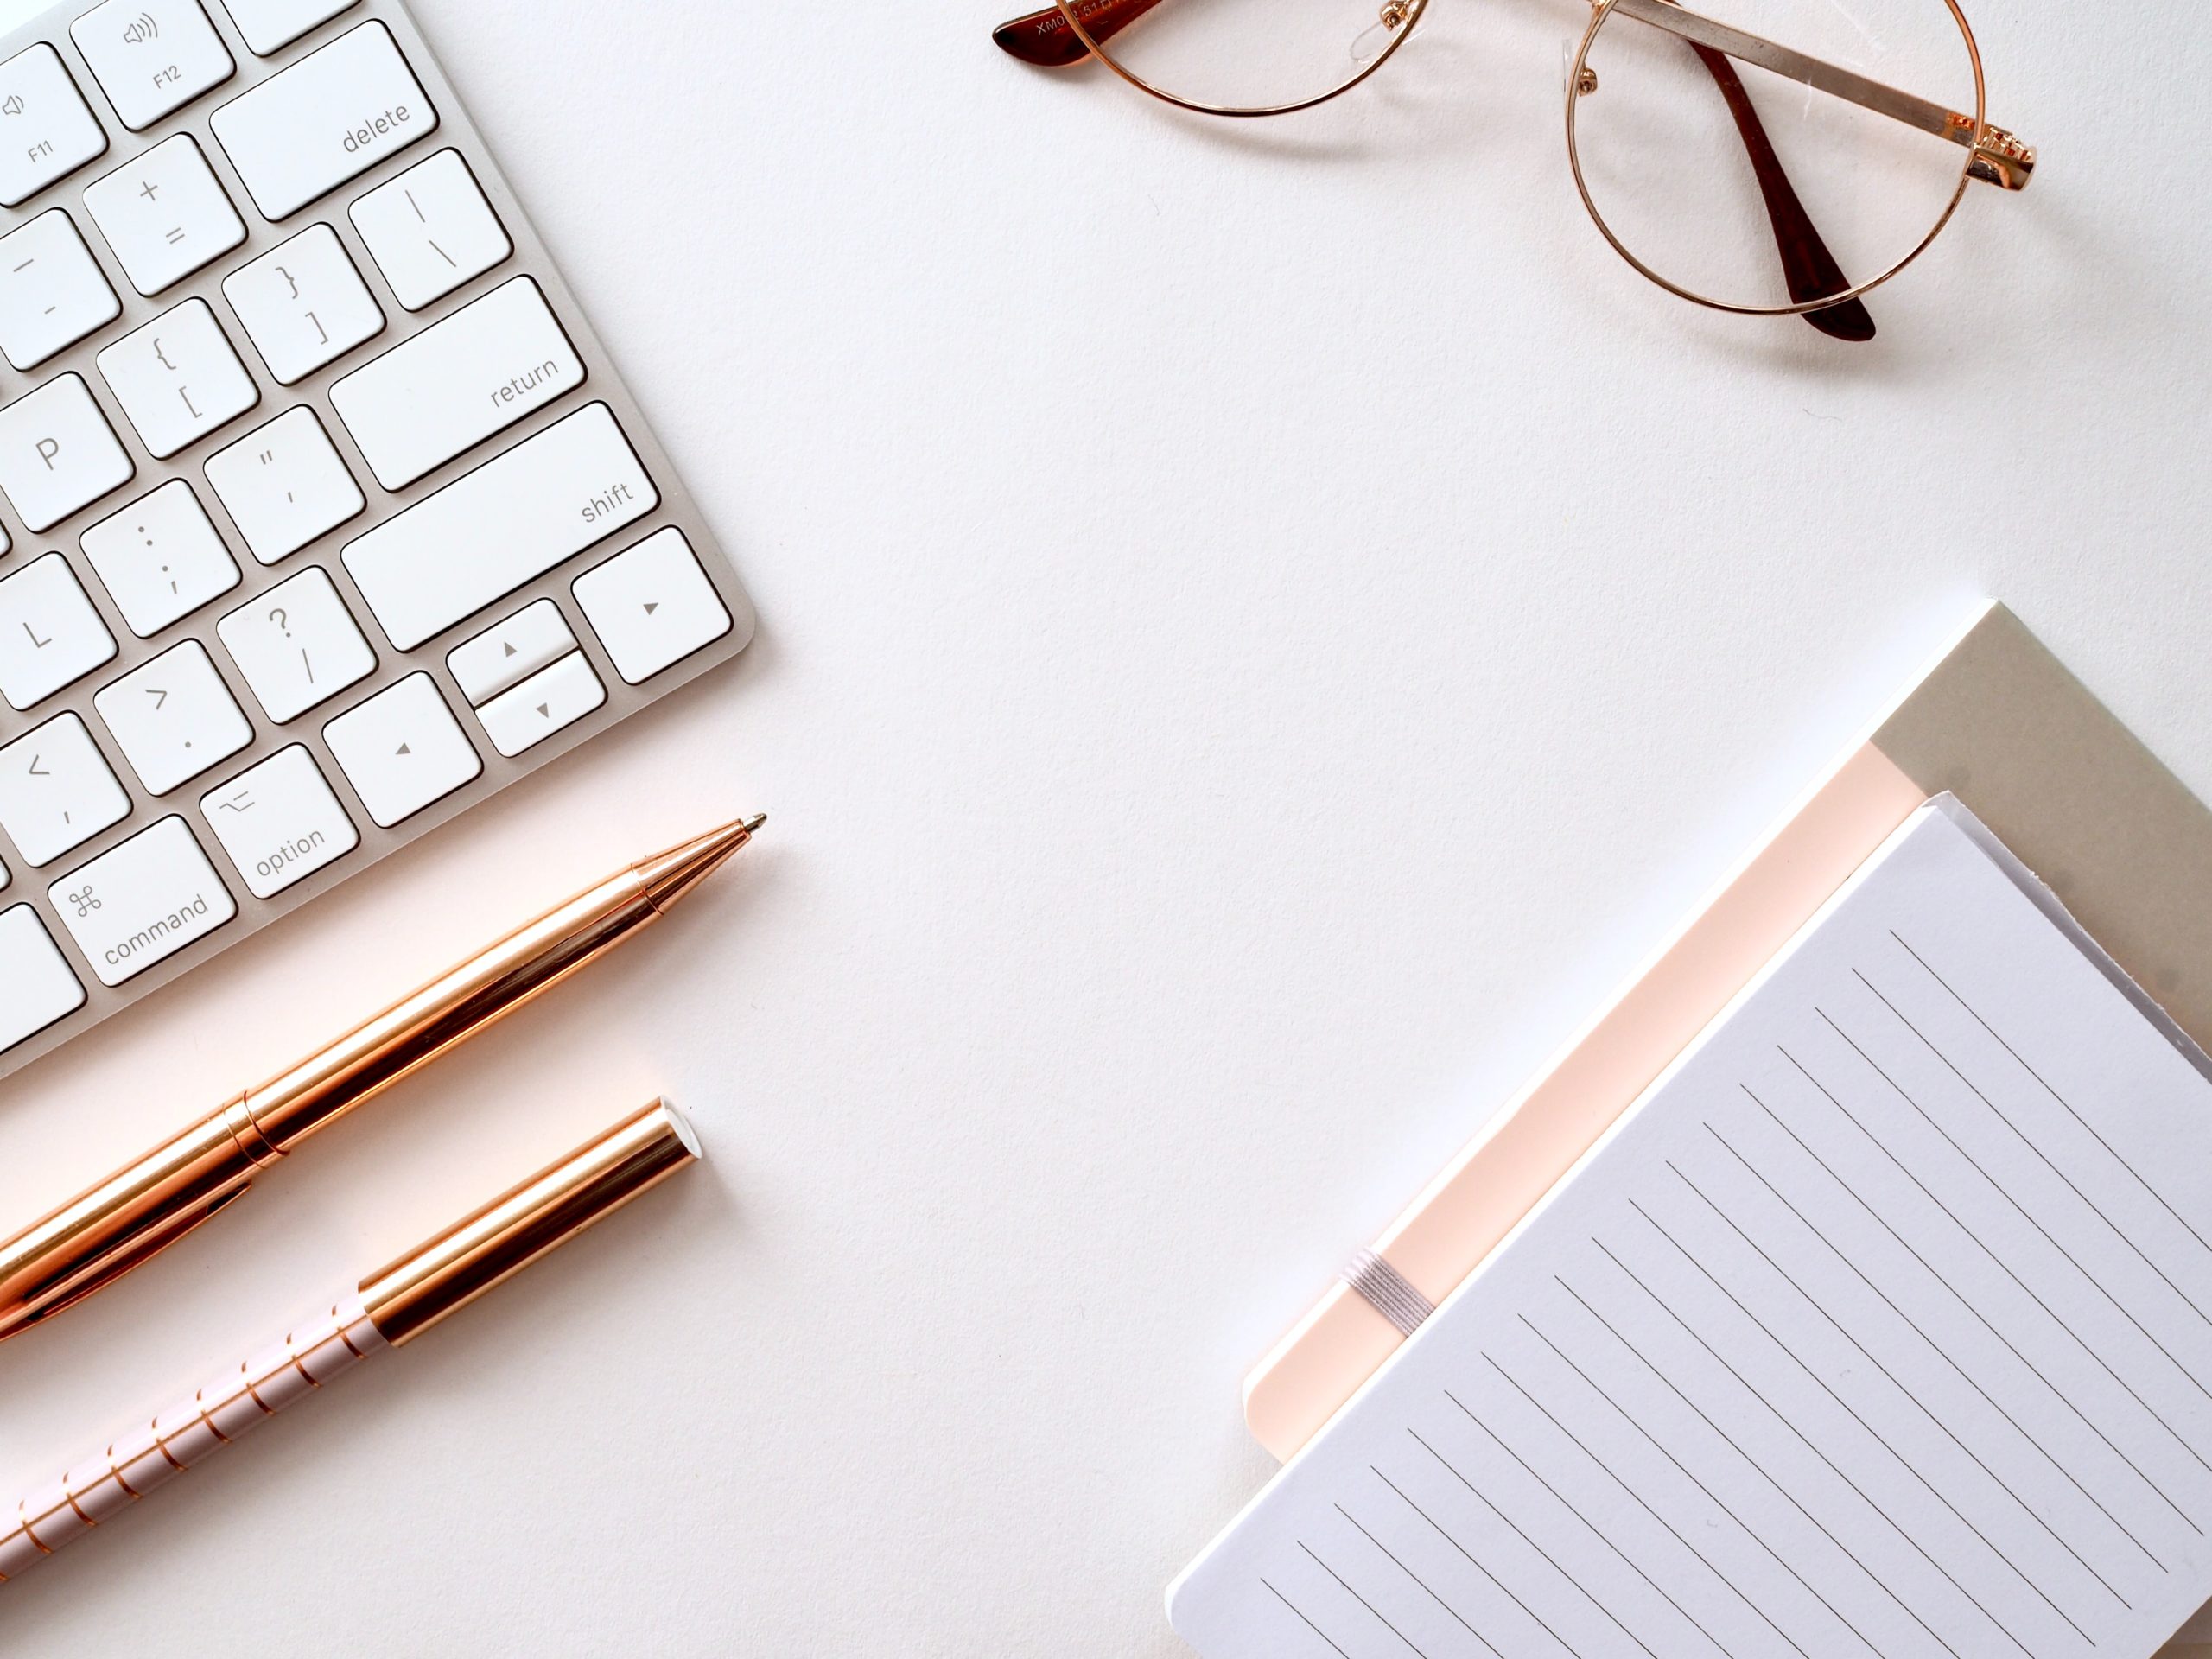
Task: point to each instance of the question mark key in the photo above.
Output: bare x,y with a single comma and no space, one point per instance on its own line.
297,644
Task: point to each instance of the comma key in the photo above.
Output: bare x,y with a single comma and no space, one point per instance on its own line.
136,906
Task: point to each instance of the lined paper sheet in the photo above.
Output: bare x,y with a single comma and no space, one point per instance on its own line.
1881,1325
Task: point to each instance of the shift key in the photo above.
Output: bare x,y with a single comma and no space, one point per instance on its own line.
140,903
507,523
331,116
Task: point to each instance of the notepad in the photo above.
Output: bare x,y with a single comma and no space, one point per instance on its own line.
1881,1324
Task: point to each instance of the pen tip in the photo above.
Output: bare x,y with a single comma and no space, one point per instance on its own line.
674,873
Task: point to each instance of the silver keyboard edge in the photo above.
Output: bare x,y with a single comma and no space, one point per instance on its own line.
456,131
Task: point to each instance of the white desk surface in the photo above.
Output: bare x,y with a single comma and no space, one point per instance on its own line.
1260,629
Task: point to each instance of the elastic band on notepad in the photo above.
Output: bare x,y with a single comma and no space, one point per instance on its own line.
1388,1292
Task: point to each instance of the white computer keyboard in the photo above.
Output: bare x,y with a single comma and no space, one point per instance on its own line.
324,513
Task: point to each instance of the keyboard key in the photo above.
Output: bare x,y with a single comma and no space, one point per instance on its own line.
161,558
270,25
178,378
303,304
402,750
50,635
430,230
174,718
51,293
280,822
151,56
57,791
58,454
284,485
37,986
297,646
652,606
511,653
513,518
454,385
164,214
550,701
51,132
136,906
329,117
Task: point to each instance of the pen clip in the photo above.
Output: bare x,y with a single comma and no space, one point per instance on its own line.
133,1252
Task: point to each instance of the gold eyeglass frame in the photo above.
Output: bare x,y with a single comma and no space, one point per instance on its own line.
1994,155
1408,12
1580,83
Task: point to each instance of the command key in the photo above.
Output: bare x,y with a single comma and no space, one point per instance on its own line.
141,903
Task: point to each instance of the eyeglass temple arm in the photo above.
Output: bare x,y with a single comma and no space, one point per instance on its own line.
1999,157
1808,270
1044,39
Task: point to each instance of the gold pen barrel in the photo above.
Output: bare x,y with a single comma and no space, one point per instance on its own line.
452,1270
401,1301
136,1213
448,1011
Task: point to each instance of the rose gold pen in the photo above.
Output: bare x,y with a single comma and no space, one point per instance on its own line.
388,1309
141,1210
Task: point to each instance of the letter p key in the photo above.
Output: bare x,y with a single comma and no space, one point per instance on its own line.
58,454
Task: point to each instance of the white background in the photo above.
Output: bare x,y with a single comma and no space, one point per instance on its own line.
1261,629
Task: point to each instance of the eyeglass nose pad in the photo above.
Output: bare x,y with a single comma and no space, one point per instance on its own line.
1567,79
1371,41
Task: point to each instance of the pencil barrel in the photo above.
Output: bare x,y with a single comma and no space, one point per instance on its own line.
98,1488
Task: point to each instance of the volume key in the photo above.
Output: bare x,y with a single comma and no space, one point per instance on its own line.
51,132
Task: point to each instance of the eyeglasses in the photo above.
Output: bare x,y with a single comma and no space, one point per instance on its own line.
1850,177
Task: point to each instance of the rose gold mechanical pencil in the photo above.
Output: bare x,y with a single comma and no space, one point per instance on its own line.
389,1309
141,1210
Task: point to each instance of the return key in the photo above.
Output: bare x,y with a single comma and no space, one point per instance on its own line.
452,387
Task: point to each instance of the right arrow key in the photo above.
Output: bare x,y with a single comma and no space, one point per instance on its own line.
652,606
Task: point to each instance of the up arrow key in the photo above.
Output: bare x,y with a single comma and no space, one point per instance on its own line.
402,749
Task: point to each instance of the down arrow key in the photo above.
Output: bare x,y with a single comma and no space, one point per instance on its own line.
550,701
